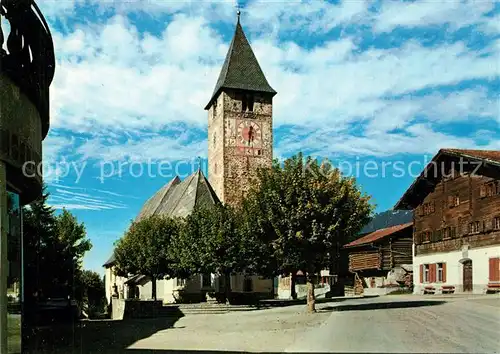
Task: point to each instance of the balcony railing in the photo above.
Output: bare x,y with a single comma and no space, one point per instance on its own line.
29,60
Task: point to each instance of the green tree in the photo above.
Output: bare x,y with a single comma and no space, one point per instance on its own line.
38,236
144,249
54,247
68,250
211,241
91,287
305,212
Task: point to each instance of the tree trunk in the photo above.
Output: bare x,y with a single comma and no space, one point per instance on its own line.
227,286
293,292
153,288
311,299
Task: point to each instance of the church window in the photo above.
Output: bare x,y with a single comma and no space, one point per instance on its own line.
214,138
247,103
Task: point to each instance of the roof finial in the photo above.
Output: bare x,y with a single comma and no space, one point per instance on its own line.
199,163
238,13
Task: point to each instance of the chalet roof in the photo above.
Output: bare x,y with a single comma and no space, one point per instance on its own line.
432,173
488,155
178,199
378,235
241,70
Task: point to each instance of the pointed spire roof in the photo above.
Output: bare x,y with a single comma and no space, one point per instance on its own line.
241,70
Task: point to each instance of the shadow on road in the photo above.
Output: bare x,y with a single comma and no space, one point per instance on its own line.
285,303
105,336
382,305
173,351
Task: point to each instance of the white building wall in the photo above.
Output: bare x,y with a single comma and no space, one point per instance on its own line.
454,268
110,280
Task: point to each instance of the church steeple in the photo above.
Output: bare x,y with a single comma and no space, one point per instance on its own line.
241,70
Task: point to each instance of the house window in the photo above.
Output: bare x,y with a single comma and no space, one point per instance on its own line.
453,232
474,227
180,282
482,191
440,272
490,189
206,281
247,285
427,236
447,233
429,208
426,273
496,223
453,200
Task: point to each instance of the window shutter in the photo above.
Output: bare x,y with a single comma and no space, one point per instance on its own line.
421,273
494,269
432,273
444,272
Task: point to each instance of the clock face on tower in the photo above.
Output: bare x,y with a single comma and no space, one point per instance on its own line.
249,134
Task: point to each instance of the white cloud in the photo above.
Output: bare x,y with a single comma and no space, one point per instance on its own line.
457,14
114,81
65,197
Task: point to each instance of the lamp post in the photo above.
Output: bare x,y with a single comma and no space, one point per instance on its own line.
26,72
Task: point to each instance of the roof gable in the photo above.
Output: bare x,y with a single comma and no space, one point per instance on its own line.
178,199
483,162
241,70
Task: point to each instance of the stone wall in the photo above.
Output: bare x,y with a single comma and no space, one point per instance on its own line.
231,162
125,308
216,146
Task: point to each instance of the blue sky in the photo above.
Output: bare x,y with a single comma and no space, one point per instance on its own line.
359,82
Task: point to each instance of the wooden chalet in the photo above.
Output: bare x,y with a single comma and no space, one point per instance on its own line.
381,260
456,203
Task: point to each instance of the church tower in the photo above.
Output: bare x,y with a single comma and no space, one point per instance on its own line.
240,122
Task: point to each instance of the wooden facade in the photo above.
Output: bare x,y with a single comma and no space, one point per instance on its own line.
456,203
461,210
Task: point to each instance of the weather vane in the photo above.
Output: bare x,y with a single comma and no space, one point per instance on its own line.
199,162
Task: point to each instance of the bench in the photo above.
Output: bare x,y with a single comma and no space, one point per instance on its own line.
429,290
493,288
447,289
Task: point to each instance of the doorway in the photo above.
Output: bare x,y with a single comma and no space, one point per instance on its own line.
467,275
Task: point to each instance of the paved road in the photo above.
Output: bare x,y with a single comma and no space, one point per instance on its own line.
407,324
385,324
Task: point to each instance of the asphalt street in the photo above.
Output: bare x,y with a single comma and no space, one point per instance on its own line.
407,324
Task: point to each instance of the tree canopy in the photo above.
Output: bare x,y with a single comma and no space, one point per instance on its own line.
305,211
54,247
211,241
144,249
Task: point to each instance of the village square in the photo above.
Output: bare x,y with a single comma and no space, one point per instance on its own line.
256,254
